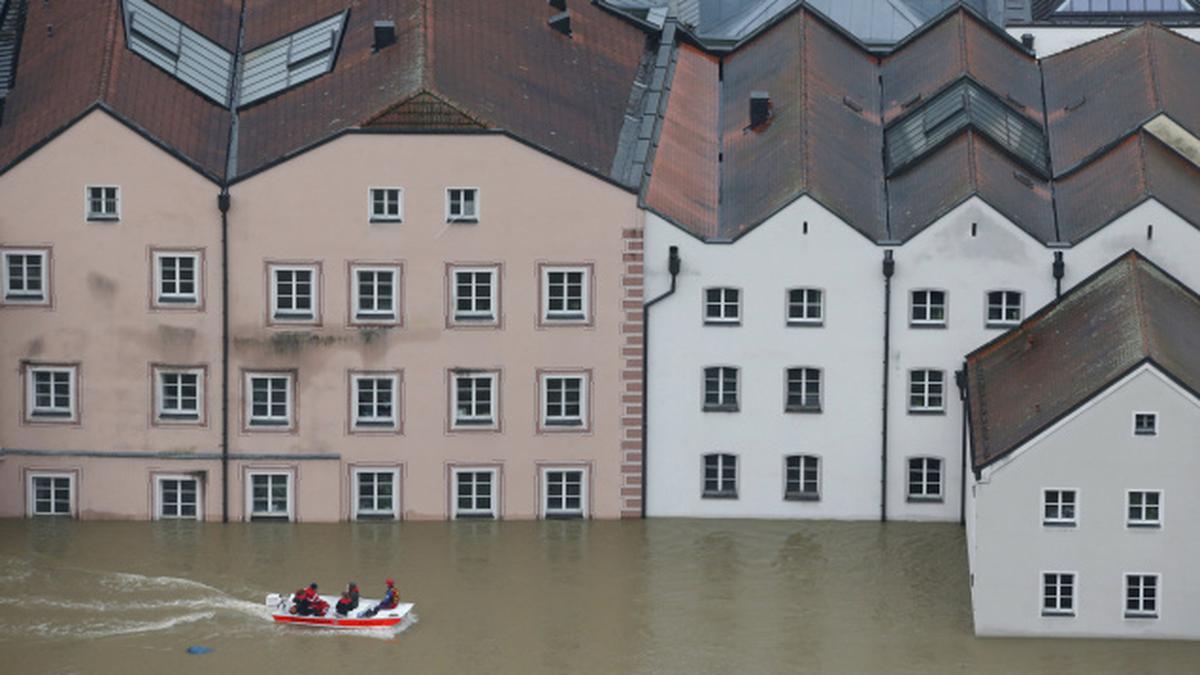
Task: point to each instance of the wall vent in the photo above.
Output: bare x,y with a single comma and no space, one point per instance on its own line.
760,108
561,22
385,34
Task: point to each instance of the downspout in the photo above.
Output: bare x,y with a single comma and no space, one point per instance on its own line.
673,268
223,204
889,268
1060,269
960,378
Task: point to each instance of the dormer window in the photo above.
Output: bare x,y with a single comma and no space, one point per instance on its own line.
292,59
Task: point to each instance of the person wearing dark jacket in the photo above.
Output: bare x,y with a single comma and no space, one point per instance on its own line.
345,605
352,589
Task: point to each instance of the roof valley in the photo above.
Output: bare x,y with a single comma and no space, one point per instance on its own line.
107,64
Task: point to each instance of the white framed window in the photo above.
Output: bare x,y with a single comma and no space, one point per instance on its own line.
720,389
51,494
375,400
722,305
376,493
803,390
294,293
928,308
564,492
802,478
1004,308
269,495
178,394
178,497
1058,593
462,205
473,294
177,278
1060,507
926,391
375,293
564,400
805,307
386,204
1141,596
1144,508
102,202
473,401
924,479
51,393
720,476
26,277
269,400
476,493
1145,424
565,294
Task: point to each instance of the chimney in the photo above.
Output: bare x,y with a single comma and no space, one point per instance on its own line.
560,5
760,108
1027,41
561,22
385,34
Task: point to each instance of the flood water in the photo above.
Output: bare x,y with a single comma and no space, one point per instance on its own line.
664,596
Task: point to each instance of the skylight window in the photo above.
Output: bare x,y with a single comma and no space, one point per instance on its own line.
304,55
956,108
166,42
1125,7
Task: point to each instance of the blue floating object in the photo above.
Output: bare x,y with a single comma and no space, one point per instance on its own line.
197,649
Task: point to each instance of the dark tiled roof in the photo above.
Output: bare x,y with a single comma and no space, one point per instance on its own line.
84,62
1139,168
1127,313
1100,92
823,137
969,166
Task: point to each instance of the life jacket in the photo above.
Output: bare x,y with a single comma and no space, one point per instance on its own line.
389,599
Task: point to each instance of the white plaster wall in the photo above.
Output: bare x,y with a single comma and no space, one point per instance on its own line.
1000,256
1096,453
1175,245
1048,41
764,263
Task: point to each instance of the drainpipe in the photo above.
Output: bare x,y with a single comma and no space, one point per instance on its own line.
223,206
1060,269
889,268
673,268
960,378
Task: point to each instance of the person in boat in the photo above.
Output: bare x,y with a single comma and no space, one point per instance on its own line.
309,603
345,605
389,601
352,589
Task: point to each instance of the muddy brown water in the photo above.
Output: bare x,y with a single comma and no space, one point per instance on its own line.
664,596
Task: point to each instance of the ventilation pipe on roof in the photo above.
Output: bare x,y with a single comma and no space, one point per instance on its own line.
385,34
889,268
760,108
1027,41
561,22
560,5
1060,269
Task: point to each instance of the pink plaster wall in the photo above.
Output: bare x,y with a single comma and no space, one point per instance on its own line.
533,209
100,315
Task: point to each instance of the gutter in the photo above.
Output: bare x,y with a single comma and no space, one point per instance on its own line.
889,268
960,378
1059,268
672,267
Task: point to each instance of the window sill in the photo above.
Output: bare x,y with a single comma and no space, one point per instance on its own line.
564,318
477,320
923,326
51,416
375,426
564,516
804,409
375,517
462,220
1058,525
294,318
375,318
472,425
179,417
1058,613
929,411
563,424
1141,615
177,302
721,408
269,518
386,219
53,515
102,218
1002,325
12,299
1144,526
912,499
801,497
719,495
269,424
723,322
805,323
1145,433
474,516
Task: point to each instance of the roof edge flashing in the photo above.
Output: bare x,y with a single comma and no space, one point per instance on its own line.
1174,136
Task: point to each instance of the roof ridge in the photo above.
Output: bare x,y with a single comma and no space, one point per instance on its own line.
1152,57
425,53
107,64
1139,301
